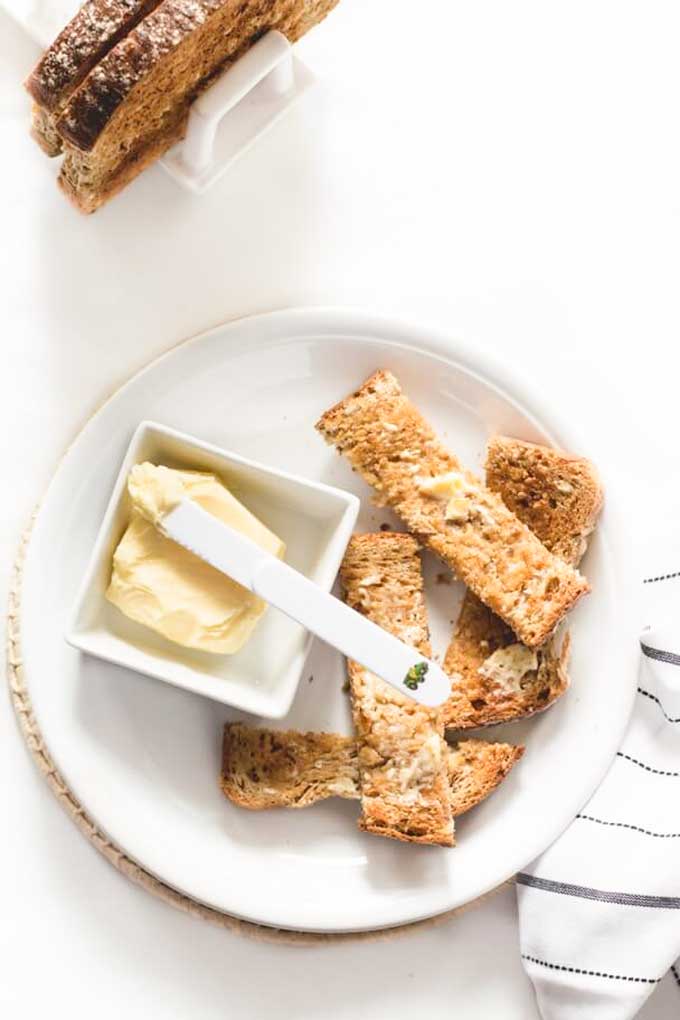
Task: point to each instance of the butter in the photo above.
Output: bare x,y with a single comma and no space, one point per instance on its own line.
452,488
155,490
508,666
161,585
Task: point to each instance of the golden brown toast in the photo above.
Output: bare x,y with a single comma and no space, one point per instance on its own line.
401,749
264,768
559,497
488,547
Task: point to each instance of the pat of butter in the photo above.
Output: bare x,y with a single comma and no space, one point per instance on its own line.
508,666
452,488
443,486
163,586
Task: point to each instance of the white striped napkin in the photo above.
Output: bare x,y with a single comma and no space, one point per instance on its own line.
600,910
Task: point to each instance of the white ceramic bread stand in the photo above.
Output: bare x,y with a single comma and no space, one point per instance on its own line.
226,119
236,110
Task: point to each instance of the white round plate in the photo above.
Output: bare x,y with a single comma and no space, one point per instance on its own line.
143,758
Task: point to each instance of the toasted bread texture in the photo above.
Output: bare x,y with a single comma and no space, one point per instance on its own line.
517,687
44,131
559,497
498,557
141,77
401,748
264,768
476,768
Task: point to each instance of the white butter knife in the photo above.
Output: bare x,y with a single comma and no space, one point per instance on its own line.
299,598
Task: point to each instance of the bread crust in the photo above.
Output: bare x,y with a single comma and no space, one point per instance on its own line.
390,444
94,29
87,201
401,750
264,769
43,131
91,33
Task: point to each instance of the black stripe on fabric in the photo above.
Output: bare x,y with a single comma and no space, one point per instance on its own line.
647,768
590,973
601,895
634,828
653,697
660,654
661,577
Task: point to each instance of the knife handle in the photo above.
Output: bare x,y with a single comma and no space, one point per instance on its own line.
351,633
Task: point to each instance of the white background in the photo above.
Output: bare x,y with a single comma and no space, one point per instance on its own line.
510,171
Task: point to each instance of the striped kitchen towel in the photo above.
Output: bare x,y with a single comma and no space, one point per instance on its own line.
600,910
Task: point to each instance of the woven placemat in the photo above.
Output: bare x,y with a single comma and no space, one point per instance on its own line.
21,699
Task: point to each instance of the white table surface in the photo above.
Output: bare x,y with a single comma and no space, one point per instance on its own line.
509,171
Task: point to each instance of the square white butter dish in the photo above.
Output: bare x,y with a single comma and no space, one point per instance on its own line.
314,520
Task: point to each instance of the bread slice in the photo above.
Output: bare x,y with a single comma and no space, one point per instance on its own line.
559,497
390,444
264,768
401,749
273,769
134,103
44,132
91,33
519,682
476,768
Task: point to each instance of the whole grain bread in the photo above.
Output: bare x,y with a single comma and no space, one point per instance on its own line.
44,130
134,103
390,444
517,687
401,748
90,34
476,768
559,497
264,768
557,494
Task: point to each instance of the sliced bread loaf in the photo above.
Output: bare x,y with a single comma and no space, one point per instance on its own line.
134,102
91,33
